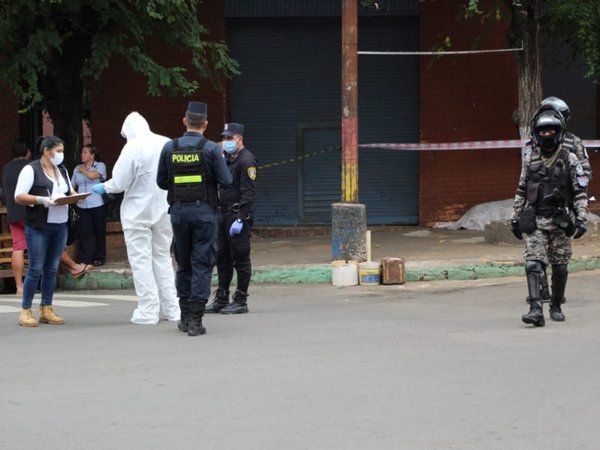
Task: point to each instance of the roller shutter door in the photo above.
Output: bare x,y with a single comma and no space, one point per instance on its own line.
288,96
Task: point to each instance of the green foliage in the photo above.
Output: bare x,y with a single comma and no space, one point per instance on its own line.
38,36
576,24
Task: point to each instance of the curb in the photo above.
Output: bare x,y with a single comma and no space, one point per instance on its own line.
321,274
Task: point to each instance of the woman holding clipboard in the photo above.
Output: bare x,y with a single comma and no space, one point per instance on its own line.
39,186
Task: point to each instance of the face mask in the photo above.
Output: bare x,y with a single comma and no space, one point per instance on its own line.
549,145
58,159
229,146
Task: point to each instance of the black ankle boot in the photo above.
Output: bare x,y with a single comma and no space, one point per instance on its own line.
184,306
535,316
556,313
221,300
195,327
238,305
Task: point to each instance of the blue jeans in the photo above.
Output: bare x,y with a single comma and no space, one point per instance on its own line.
44,248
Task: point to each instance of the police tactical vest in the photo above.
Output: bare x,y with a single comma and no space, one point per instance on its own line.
190,179
36,216
549,188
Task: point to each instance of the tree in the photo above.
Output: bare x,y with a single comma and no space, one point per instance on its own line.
52,49
571,23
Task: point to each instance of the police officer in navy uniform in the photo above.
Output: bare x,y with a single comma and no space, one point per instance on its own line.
190,168
235,223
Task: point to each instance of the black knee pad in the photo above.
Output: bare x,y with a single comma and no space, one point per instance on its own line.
534,267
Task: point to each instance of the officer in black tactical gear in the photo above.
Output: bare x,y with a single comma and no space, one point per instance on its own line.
190,168
235,223
549,196
573,144
570,141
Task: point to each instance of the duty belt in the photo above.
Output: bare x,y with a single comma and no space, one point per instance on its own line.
231,208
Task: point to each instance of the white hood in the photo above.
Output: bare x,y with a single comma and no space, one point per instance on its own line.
134,174
134,126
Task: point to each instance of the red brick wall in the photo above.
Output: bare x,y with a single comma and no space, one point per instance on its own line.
122,91
464,98
9,120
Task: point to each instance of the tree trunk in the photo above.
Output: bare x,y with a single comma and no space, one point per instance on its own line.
63,89
525,30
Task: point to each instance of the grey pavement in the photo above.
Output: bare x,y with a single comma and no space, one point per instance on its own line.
421,366
303,255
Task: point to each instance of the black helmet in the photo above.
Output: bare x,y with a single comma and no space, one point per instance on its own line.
548,120
556,104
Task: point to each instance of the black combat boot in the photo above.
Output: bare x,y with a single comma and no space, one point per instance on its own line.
559,284
195,327
535,316
221,300
238,305
184,306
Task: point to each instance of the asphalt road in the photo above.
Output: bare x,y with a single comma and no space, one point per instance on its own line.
444,365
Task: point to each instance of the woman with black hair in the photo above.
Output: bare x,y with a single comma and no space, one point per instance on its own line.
91,246
39,185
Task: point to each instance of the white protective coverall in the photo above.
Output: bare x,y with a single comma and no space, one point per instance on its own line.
146,224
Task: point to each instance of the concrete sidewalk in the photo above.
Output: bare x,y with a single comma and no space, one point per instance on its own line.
303,255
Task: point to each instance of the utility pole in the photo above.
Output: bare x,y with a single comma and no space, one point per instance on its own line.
350,101
348,218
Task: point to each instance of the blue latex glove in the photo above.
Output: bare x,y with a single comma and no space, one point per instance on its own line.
236,227
99,189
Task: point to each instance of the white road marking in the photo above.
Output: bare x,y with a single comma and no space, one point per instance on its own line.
123,298
57,302
68,300
81,296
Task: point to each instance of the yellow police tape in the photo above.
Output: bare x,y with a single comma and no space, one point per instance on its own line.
298,158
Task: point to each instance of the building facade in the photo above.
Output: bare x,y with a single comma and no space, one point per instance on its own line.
288,96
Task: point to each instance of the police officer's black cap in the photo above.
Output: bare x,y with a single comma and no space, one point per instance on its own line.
197,108
233,128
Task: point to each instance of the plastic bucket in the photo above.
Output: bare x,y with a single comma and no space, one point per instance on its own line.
344,273
369,273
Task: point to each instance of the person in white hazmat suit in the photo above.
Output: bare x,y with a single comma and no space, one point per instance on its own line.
146,224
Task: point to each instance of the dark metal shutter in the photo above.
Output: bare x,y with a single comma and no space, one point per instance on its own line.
290,81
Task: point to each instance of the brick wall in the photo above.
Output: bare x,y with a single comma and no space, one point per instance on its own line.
464,98
9,119
122,91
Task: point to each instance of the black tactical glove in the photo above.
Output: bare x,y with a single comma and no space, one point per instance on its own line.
514,227
580,229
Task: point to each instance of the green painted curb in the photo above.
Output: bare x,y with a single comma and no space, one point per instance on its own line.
122,279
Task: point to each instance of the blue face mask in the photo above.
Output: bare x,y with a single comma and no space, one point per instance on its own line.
229,146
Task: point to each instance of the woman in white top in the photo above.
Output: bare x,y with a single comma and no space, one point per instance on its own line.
91,246
40,183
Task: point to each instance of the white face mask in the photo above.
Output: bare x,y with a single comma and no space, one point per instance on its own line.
58,159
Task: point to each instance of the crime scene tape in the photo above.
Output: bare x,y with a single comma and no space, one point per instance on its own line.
298,158
473,145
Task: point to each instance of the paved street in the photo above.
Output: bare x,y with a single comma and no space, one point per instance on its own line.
441,365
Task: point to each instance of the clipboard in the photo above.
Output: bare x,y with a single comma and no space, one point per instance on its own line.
70,199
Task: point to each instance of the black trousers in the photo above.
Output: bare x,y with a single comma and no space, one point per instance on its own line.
195,236
92,234
233,252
